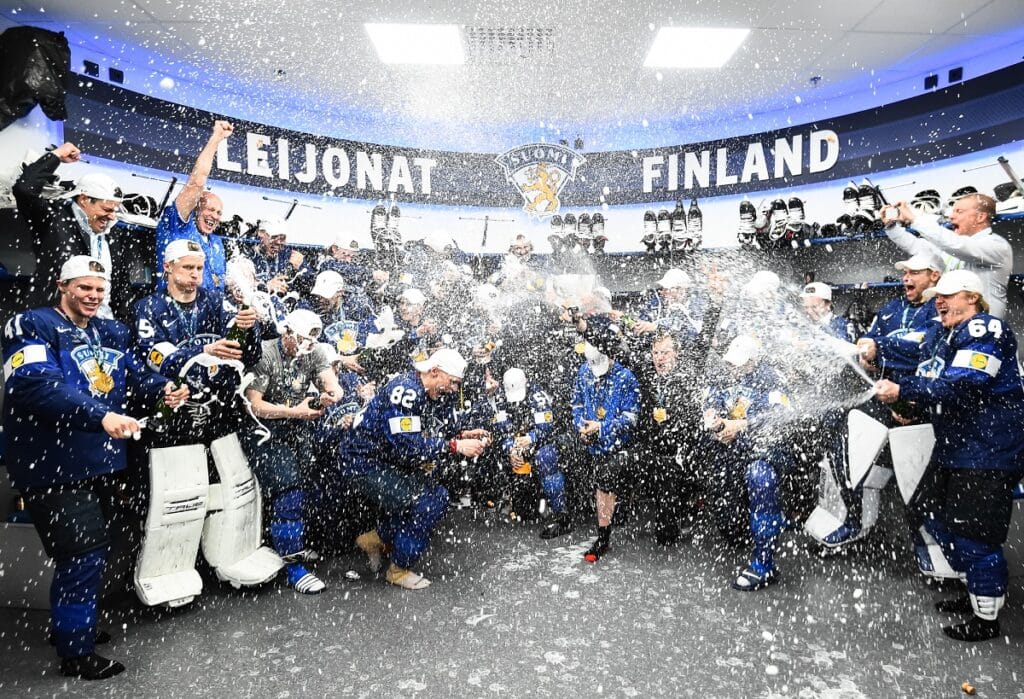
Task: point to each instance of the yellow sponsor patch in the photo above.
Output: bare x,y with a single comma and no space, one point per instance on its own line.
406,424
156,357
979,360
17,360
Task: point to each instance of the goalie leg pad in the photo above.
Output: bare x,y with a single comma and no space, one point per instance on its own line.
232,536
911,449
867,438
179,489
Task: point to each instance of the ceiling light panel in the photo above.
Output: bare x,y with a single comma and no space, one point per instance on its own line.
417,44
694,47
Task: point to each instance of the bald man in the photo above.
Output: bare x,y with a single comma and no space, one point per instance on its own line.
195,215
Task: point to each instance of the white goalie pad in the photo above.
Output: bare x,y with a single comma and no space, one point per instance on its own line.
233,533
178,484
830,513
867,438
911,449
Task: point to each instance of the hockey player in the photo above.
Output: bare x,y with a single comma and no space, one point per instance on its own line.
605,403
171,328
290,365
279,269
393,451
969,379
67,376
525,442
747,407
674,308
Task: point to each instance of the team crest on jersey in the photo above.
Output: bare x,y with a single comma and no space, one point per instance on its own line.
540,171
932,368
99,373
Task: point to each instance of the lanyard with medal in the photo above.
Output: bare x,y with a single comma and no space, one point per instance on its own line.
101,380
189,319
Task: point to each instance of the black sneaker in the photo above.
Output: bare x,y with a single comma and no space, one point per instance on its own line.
558,526
977,629
90,667
960,605
594,553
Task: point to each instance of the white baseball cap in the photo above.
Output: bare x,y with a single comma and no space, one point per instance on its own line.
953,282
446,359
742,349
514,383
182,247
83,266
98,186
674,279
303,322
413,296
762,282
818,290
596,360
921,261
328,283
274,227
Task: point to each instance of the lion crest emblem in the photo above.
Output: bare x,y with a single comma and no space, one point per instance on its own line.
540,171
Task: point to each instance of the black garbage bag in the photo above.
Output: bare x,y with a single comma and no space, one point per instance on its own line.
34,68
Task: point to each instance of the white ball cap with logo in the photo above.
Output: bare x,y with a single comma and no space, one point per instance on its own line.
83,266
818,290
920,262
742,349
596,360
674,278
274,227
514,384
954,282
303,322
446,359
98,186
328,283
182,247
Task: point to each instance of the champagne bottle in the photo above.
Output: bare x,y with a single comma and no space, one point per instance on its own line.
162,417
237,334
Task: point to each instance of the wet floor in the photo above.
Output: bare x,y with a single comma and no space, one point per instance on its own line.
511,615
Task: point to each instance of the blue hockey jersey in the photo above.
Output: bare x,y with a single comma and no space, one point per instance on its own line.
901,320
613,400
402,427
532,417
761,398
168,334
968,376
60,381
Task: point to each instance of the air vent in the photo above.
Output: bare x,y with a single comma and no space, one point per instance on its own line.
508,44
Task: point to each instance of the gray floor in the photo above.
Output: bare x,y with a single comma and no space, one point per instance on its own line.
510,615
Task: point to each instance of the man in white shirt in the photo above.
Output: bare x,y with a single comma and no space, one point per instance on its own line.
970,244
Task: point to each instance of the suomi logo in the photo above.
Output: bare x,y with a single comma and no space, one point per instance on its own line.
540,171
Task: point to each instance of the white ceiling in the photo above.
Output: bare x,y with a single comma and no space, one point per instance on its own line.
594,72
